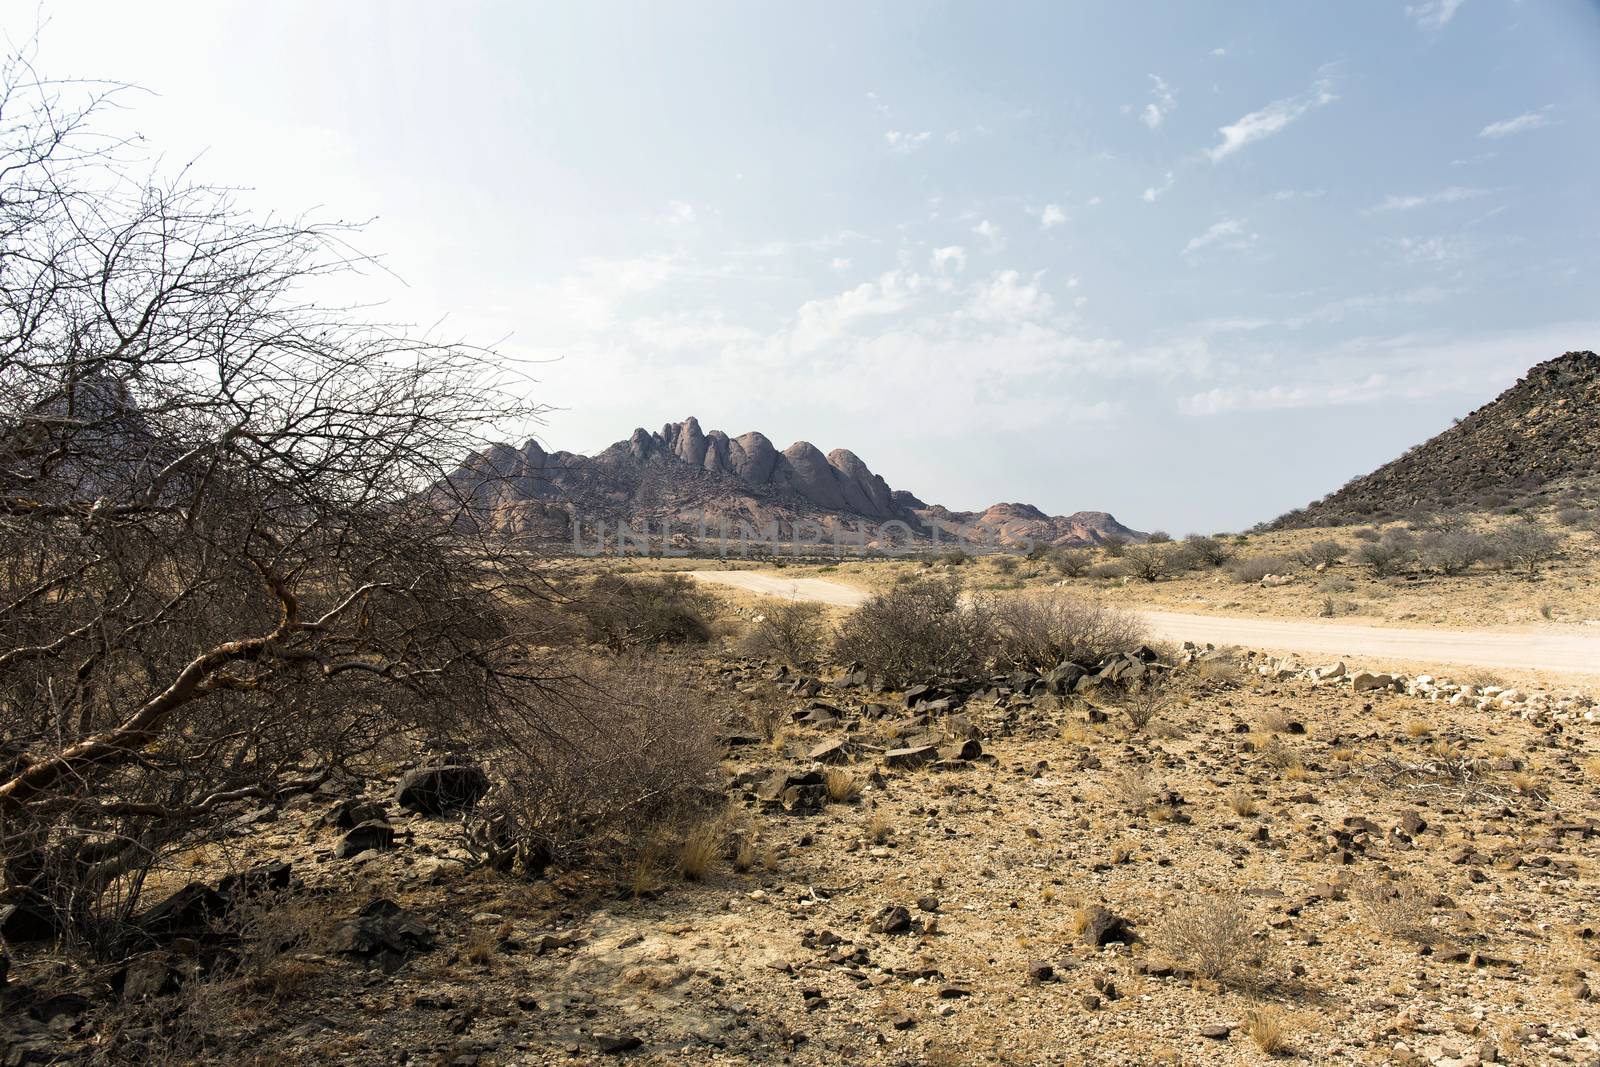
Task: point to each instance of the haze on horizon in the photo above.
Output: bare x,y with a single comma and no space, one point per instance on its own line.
1193,265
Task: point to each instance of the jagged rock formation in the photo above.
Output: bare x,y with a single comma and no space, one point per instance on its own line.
686,477
1537,438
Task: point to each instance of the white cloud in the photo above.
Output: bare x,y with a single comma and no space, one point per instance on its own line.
1430,249
1298,194
878,105
1219,52
1151,194
839,263
1051,217
1221,400
1230,232
1451,195
822,321
1162,104
1435,14
1528,120
953,256
1006,297
1269,120
903,141
990,233
680,213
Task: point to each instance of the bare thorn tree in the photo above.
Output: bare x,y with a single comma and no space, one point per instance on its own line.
226,567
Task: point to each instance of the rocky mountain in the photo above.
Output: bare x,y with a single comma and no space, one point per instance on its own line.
1538,438
685,478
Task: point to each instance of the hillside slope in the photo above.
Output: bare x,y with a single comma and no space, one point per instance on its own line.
1539,436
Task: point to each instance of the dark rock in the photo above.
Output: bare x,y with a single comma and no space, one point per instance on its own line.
1063,679
1412,823
893,919
1040,971
385,934
263,878
441,790
189,910
1216,1031
1101,928
26,918
965,750
348,814
617,1044
909,758
148,976
805,799
367,836
836,751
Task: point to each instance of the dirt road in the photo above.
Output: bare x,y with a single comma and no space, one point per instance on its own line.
1563,652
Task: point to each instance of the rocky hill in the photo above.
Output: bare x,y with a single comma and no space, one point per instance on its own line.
686,479
1538,438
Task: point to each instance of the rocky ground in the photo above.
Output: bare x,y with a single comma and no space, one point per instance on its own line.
1361,869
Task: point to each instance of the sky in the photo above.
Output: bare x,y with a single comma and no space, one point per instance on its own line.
1194,264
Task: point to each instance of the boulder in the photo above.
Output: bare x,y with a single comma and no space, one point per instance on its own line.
25,918
384,934
905,759
441,790
189,910
832,752
1101,928
1061,680
364,838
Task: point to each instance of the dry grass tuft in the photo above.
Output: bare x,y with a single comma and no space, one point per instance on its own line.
1242,803
1269,1029
700,850
879,828
843,787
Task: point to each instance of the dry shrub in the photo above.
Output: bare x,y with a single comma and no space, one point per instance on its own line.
598,768
1071,562
921,630
1252,570
1132,791
1214,938
1038,631
628,611
1145,701
793,631
1396,907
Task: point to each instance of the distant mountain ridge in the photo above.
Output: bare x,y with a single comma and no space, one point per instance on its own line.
1541,434
686,478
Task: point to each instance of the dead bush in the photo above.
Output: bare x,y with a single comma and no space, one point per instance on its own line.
1039,631
921,630
1396,907
1215,938
1324,554
1071,562
633,611
1251,570
1210,551
623,756
794,631
1151,562
1145,701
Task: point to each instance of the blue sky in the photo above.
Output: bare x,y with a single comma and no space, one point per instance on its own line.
1193,263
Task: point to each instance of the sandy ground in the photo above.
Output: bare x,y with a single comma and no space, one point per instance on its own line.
819,590
1561,653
